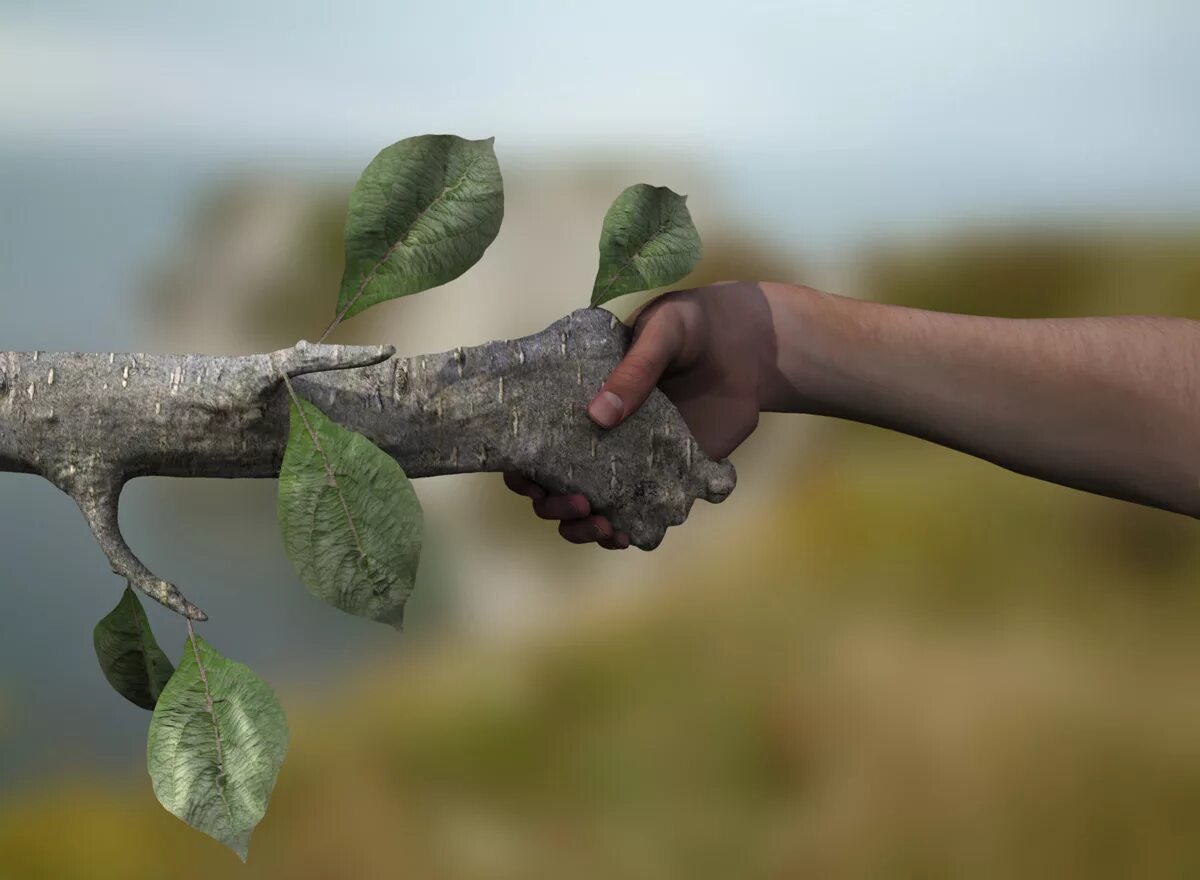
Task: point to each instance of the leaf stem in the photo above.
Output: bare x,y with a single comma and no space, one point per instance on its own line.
208,700
340,315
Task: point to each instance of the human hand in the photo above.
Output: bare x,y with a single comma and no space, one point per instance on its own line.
710,350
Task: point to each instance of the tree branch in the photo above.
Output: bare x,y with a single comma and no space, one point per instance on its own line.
91,422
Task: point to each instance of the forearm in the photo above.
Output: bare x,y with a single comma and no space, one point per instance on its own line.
1109,405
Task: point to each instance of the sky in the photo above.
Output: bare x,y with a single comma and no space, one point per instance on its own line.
908,110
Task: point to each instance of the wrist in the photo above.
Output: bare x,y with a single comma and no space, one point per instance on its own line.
800,371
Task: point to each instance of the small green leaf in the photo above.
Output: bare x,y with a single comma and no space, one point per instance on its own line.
648,240
350,519
423,212
217,739
129,656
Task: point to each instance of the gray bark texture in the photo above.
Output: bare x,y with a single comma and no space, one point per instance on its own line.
91,422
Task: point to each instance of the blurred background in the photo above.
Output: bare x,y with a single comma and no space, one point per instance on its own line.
878,658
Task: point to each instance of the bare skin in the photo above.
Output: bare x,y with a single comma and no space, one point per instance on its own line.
1107,405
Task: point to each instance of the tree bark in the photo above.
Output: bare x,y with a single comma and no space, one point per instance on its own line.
91,422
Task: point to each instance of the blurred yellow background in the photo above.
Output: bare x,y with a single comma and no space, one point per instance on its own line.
878,658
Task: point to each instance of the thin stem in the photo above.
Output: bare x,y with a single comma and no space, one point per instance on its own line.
208,700
338,319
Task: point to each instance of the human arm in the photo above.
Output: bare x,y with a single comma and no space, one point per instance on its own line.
1108,405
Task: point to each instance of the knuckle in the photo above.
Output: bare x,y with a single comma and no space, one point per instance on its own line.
635,369
658,309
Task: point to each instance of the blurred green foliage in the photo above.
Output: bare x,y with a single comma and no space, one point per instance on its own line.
1041,273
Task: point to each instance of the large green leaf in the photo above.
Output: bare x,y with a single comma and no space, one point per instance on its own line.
217,739
423,212
129,656
351,521
648,240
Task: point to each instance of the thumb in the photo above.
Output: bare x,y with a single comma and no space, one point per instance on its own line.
655,346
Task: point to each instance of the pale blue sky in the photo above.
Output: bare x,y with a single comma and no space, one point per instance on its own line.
1095,93
833,121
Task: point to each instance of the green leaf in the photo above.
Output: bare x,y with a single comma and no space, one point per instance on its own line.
129,656
423,212
217,739
350,519
648,240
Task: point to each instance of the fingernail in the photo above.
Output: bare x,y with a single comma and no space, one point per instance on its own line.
606,409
